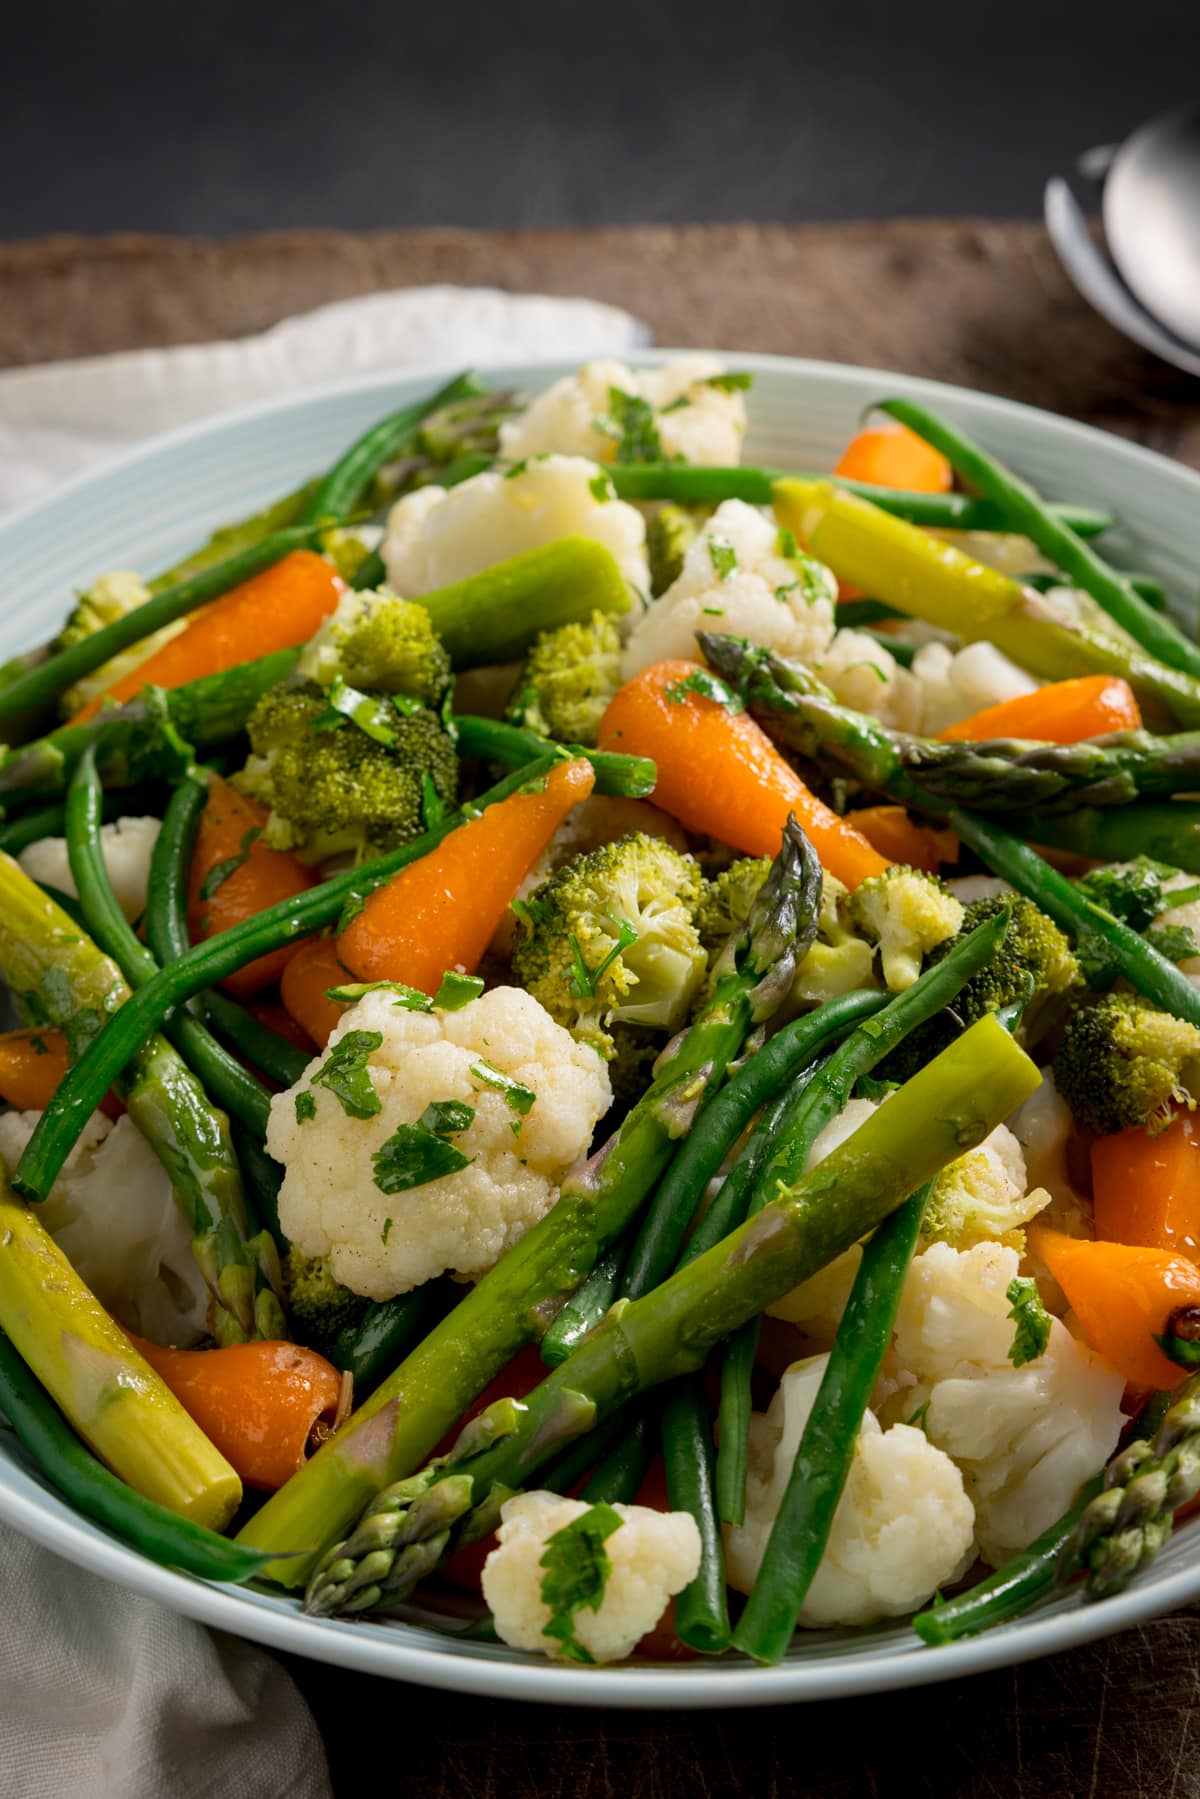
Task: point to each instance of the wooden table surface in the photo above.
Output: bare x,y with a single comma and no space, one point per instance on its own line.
981,304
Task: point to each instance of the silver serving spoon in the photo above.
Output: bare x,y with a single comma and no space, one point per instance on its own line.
1151,206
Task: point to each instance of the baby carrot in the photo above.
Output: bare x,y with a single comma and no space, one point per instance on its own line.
313,969
887,456
1123,1296
719,774
276,610
1062,712
900,838
32,1064
258,1403
1146,1189
440,913
235,876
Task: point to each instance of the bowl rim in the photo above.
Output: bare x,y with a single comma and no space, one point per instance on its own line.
393,1650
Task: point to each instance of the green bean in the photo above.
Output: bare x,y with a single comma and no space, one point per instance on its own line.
370,1349
371,571
492,740
586,1454
1026,512
66,666
702,1608
337,491
617,1478
266,1049
802,1525
692,484
1142,965
89,1079
587,1305
90,1487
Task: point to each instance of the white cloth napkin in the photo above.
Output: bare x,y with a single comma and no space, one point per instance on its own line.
104,1695
56,417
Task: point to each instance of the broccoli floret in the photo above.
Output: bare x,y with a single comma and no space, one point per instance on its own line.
726,899
569,677
318,1306
669,536
1034,968
907,914
1122,1063
331,787
376,641
838,959
612,938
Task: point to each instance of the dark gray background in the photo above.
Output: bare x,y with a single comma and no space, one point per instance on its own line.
227,117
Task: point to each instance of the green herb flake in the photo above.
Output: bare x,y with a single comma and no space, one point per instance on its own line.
517,468
1177,942
575,1569
446,1117
355,903
585,981
709,687
414,1156
630,422
601,488
410,999
518,1096
375,718
1031,1318
345,1074
731,383
456,991
220,872
786,545
306,1106
722,555
714,611
918,1418
386,1232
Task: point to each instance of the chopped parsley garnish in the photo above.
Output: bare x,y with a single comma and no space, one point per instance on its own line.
575,1569
375,718
517,468
1136,894
345,1074
433,806
1174,941
714,611
306,1106
786,546
630,422
723,556
601,488
446,1117
414,1156
730,383
518,1096
220,872
386,1232
708,686
350,911
918,1418
1031,1319
410,998
456,991
584,980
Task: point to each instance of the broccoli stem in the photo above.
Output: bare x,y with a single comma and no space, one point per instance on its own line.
945,1109
690,484
496,615
1026,512
514,1303
206,713
927,579
491,740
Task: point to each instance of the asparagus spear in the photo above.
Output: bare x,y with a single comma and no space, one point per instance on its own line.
141,738
930,580
520,1297
1130,1519
947,1107
60,978
116,1402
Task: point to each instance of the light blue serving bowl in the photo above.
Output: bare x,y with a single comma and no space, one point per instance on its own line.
148,508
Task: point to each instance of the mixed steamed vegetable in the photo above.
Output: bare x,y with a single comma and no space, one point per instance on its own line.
612,1032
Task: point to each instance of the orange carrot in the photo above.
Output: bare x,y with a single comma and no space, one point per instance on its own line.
891,831
720,775
276,610
311,972
1062,712
1123,1296
890,455
257,1402
32,1066
440,913
235,876
1146,1189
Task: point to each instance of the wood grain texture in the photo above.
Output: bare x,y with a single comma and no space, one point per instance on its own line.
981,304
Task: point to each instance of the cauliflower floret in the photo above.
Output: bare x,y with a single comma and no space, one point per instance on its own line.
652,1555
382,1243
126,845
903,1526
694,419
1024,1438
113,1214
437,535
736,579
864,675
907,914
956,683
983,1194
